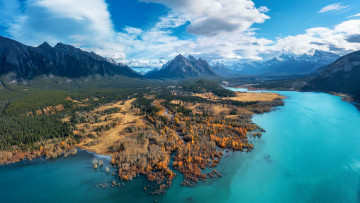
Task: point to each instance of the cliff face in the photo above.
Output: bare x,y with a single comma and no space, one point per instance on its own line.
61,60
182,68
341,76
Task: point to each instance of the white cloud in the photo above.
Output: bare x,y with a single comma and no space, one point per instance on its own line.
332,7
353,16
93,12
87,24
221,31
263,9
157,43
171,20
211,17
145,63
83,23
322,38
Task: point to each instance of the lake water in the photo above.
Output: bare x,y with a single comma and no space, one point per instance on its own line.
309,153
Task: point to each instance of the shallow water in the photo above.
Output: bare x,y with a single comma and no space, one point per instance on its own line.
309,153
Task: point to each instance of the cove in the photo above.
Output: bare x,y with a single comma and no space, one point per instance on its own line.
310,152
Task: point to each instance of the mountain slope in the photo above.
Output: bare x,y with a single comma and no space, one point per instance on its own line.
182,68
25,62
201,66
341,76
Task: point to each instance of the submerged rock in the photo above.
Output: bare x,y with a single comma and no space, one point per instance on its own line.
95,163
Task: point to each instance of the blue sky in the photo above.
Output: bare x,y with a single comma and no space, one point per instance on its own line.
150,32
294,17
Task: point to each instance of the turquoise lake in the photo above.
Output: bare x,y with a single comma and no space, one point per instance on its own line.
310,152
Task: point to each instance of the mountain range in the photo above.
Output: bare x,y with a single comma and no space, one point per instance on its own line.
19,62
282,65
183,68
23,62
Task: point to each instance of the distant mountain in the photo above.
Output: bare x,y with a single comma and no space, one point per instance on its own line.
223,70
342,76
142,70
284,64
25,62
182,68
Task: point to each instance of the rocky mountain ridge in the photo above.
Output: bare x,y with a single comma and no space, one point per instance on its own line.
183,68
342,76
25,62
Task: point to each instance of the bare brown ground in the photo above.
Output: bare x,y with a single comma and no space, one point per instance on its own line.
66,119
125,116
49,110
77,103
217,109
175,102
255,96
193,108
244,96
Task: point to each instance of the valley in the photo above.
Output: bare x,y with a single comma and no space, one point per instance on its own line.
180,101
177,121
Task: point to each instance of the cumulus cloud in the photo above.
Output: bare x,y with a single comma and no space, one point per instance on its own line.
341,39
333,7
221,31
211,17
159,44
83,23
224,25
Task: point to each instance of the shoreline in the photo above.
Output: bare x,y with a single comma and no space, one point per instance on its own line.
344,97
193,154
50,151
243,174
